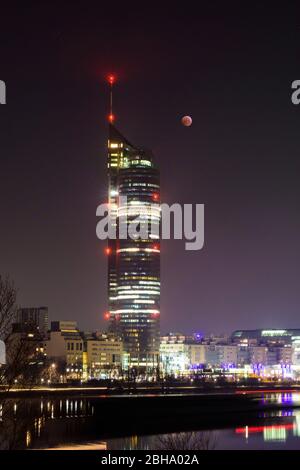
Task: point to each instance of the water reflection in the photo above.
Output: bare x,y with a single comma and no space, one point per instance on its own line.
275,432
69,423
289,398
24,422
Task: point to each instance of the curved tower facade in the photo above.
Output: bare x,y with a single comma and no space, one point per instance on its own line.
134,257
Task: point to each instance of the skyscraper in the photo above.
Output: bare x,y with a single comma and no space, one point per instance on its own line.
32,318
134,262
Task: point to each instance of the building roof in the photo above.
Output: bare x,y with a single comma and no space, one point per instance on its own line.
265,333
115,134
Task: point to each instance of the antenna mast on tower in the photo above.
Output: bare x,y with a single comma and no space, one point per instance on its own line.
111,80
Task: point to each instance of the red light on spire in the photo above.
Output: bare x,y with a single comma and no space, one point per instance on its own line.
106,315
155,315
111,79
111,118
155,197
108,250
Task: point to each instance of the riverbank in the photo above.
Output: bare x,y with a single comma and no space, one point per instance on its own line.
98,391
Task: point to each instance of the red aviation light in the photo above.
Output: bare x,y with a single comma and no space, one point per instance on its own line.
156,247
155,315
111,79
108,251
106,315
111,118
155,197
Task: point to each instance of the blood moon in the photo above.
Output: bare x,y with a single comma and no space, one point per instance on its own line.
186,121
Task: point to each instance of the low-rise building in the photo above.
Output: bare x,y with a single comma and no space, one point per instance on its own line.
66,346
196,354
174,354
285,355
84,355
258,355
104,354
271,336
296,351
243,355
272,356
227,355
211,355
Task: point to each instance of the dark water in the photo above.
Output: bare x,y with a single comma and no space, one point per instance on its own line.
70,423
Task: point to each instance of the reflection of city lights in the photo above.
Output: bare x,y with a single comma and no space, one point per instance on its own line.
28,438
260,429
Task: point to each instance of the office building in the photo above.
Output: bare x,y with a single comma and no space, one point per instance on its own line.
133,260
32,319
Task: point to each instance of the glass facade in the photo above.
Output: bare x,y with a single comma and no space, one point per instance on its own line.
134,261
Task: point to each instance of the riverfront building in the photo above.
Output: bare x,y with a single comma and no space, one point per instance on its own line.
134,258
83,355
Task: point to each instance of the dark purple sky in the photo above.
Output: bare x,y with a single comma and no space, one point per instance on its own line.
231,70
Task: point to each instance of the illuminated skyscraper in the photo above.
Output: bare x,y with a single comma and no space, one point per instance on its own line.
134,262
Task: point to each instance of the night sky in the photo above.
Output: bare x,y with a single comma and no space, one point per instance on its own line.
231,69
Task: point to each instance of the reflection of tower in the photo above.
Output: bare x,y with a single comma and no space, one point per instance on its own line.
134,264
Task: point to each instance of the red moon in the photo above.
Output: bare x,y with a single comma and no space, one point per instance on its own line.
187,121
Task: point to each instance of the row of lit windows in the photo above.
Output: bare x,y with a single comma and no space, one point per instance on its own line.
126,291
74,346
121,311
114,145
140,288
141,278
136,250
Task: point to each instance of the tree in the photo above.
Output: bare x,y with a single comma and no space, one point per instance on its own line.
8,308
23,367
200,440
21,357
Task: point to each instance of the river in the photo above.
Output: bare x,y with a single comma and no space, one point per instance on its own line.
70,423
